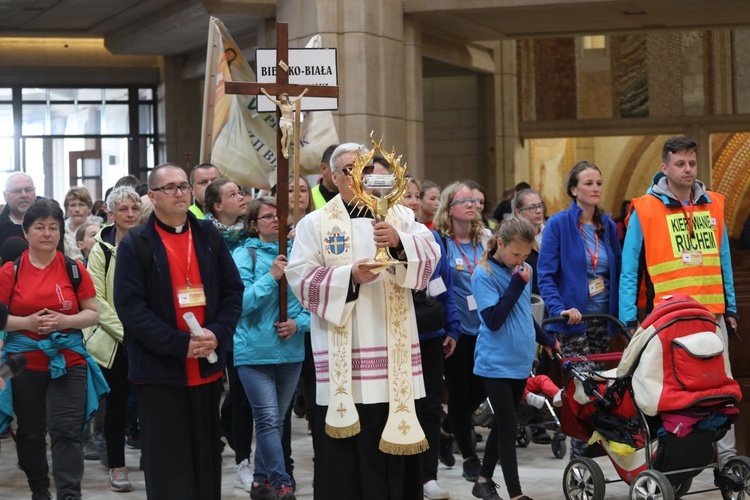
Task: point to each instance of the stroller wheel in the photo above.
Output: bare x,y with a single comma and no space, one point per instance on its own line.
559,447
523,438
583,480
651,484
737,471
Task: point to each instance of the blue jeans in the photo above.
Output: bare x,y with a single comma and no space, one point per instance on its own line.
269,389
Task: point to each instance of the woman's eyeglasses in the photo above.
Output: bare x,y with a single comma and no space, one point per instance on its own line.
463,201
534,208
269,218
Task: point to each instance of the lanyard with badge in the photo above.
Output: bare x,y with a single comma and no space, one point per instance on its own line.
596,285
472,303
189,296
690,256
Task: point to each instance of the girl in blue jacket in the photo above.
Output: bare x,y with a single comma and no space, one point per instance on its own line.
506,345
268,353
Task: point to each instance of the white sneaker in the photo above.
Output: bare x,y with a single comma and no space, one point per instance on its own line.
243,478
535,400
434,491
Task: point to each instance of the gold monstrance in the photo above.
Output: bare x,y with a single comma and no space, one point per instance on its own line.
391,187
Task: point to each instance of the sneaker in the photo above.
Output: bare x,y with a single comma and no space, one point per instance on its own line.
285,493
535,400
133,442
486,490
445,451
262,491
89,452
471,468
41,495
243,478
557,400
540,436
118,479
432,489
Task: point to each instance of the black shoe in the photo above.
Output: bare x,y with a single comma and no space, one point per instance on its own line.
540,436
486,491
471,468
41,495
133,442
445,451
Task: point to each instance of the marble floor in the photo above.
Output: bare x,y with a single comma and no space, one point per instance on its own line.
541,474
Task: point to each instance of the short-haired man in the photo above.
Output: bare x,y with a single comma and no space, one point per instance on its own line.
364,339
200,177
19,194
173,265
326,189
677,240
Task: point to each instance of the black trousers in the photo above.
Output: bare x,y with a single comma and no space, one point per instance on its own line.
429,408
116,408
56,406
505,395
180,441
465,393
355,469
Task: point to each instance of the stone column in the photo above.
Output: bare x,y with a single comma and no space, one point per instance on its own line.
506,161
369,38
179,124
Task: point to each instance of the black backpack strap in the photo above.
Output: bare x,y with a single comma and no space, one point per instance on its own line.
74,272
107,257
253,255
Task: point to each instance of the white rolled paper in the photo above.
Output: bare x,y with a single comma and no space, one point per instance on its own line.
197,331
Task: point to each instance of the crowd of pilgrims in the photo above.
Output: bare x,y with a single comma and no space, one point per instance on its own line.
455,354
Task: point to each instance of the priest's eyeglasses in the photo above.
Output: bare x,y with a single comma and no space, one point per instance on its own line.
171,189
532,208
463,201
347,169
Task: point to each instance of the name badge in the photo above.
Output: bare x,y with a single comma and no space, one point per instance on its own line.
460,264
692,257
472,302
191,296
596,286
436,287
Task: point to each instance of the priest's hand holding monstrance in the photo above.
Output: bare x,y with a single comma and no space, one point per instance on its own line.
379,193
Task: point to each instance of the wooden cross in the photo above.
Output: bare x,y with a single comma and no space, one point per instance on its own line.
282,86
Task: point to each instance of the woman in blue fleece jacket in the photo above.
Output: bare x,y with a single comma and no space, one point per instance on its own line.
579,269
268,353
506,345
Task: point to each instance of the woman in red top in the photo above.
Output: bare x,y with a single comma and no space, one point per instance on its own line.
46,398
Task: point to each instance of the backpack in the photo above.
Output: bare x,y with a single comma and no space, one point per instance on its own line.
70,265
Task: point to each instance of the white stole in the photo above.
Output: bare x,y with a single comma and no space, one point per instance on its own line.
402,434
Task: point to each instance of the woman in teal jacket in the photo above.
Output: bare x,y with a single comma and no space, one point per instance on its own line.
268,353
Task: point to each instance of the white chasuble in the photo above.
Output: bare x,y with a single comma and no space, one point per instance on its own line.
327,244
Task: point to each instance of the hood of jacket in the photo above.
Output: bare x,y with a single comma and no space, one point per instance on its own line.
660,189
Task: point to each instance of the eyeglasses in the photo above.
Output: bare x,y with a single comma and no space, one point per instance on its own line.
463,201
347,169
533,208
20,191
171,189
269,218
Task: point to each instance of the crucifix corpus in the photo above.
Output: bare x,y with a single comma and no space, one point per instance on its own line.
283,89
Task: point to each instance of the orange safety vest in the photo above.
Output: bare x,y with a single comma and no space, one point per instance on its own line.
666,236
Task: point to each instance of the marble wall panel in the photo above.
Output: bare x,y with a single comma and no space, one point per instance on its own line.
555,78
629,76
665,68
741,70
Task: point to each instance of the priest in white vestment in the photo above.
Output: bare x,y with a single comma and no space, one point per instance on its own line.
353,313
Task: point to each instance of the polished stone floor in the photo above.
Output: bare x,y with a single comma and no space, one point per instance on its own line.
541,475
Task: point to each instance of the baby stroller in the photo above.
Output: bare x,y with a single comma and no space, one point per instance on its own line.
531,419
659,413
